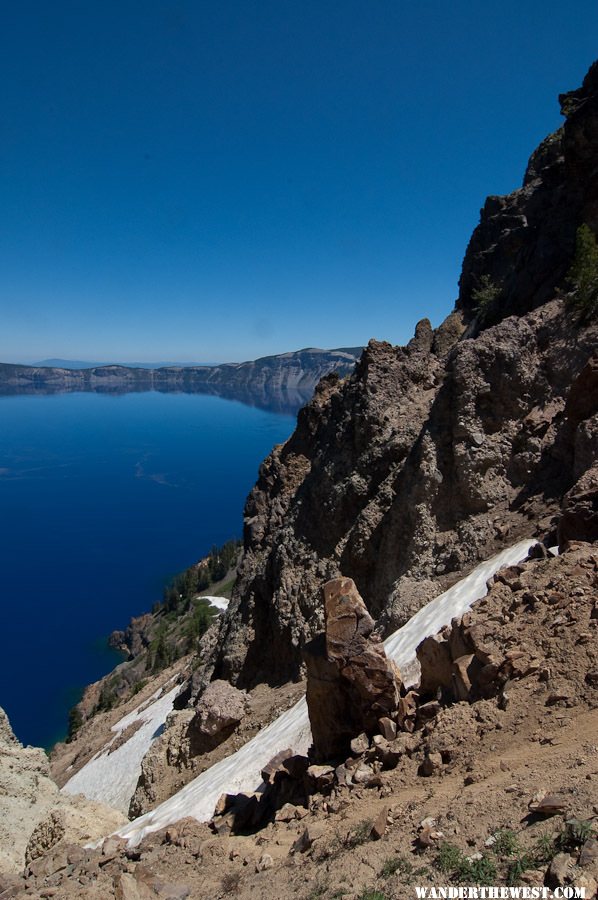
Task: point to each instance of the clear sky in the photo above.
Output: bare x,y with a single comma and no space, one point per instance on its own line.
215,180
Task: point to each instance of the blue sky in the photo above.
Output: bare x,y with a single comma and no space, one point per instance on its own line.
225,179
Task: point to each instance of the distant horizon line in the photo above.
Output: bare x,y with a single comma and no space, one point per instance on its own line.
63,362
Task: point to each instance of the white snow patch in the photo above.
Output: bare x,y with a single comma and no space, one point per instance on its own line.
220,603
111,777
401,645
242,770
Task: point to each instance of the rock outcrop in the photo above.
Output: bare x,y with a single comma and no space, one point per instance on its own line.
434,455
351,683
34,816
525,241
413,469
530,641
218,712
523,756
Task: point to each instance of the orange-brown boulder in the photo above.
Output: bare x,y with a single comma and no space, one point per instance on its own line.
351,683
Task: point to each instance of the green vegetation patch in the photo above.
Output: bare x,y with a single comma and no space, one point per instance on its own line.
583,274
486,297
198,578
453,862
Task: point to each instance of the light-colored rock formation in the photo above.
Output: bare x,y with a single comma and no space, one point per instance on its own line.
219,710
34,816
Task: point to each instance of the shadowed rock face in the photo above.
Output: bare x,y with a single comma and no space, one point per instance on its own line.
437,454
351,683
525,241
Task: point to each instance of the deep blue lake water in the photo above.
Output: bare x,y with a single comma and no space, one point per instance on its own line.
102,499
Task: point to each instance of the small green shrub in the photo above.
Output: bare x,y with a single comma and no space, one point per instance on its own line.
506,843
517,867
108,697
359,835
575,833
348,840
395,864
453,862
583,274
75,723
231,882
138,686
486,296
478,871
202,616
543,849
449,858
160,651
421,872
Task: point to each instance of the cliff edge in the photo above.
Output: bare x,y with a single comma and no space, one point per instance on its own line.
433,456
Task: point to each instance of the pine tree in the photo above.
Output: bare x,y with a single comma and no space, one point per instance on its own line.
75,723
160,650
583,274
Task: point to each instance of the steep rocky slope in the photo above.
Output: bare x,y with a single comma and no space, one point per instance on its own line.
431,456
508,771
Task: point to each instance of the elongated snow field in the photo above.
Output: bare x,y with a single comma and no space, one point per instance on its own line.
242,770
111,775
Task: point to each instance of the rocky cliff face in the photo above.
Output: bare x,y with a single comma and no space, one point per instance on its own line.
434,455
525,241
519,752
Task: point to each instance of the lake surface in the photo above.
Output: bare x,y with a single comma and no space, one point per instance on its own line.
102,499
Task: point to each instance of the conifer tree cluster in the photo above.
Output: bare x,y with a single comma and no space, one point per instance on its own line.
198,578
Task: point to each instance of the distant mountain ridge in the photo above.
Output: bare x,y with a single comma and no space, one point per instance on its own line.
284,381
58,363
